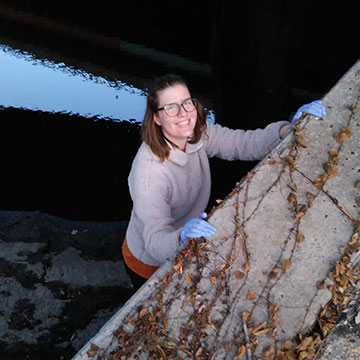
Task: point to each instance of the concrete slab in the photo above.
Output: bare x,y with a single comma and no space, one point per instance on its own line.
272,281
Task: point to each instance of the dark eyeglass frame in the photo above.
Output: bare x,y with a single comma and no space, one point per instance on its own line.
194,101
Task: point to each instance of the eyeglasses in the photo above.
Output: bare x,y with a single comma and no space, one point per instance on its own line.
173,109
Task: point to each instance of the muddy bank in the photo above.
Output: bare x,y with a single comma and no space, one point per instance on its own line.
60,281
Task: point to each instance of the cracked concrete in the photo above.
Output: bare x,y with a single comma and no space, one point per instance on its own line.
274,278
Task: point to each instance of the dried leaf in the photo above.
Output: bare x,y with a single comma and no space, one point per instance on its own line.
246,316
241,352
290,160
162,352
310,196
301,141
305,355
306,343
228,257
275,318
187,352
246,267
198,352
330,171
250,175
94,347
133,319
251,296
142,312
272,162
292,199
219,201
288,345
289,355
355,237
346,130
165,323
213,279
239,274
272,275
321,285
178,267
186,301
358,201
188,279
286,264
91,353
299,215
340,137
293,187
357,184
269,353
335,159
169,344
300,237
261,332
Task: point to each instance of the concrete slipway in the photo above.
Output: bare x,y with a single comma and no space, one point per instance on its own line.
275,278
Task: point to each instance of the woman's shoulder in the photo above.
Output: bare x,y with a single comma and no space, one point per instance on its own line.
147,171
145,161
145,155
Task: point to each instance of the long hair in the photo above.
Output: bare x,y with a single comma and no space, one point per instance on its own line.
151,132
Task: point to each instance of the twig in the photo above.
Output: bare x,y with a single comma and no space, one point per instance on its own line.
248,351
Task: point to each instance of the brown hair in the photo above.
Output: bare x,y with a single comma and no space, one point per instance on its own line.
151,133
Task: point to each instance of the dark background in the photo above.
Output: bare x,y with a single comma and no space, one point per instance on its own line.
267,58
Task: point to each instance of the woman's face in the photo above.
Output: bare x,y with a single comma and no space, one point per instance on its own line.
176,128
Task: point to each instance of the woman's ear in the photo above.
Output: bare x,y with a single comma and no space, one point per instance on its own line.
156,119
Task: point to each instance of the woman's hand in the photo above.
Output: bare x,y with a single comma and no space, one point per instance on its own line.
195,228
314,108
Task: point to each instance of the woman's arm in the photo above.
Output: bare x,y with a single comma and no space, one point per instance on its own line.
229,144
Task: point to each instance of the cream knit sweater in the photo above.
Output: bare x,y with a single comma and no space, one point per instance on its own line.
167,194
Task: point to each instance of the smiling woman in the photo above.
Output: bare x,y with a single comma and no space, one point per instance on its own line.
169,180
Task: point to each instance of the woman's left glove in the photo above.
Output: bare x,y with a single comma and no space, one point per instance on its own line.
195,228
315,108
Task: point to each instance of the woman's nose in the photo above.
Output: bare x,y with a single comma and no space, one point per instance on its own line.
182,111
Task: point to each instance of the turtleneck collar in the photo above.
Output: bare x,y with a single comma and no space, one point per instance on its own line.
180,157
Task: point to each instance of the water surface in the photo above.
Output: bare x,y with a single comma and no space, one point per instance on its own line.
39,84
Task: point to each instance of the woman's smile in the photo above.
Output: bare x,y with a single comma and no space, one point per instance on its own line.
180,127
182,123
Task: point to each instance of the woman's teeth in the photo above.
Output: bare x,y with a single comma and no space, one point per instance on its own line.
183,122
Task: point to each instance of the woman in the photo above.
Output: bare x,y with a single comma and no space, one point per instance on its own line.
169,180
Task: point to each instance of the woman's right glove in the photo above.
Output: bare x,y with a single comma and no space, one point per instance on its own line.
315,108
195,228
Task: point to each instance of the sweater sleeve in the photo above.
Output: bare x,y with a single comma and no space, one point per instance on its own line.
151,191
231,144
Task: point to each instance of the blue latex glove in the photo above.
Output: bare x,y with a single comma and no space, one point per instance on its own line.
195,228
315,108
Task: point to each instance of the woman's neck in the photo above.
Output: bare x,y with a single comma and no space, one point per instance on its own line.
181,147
